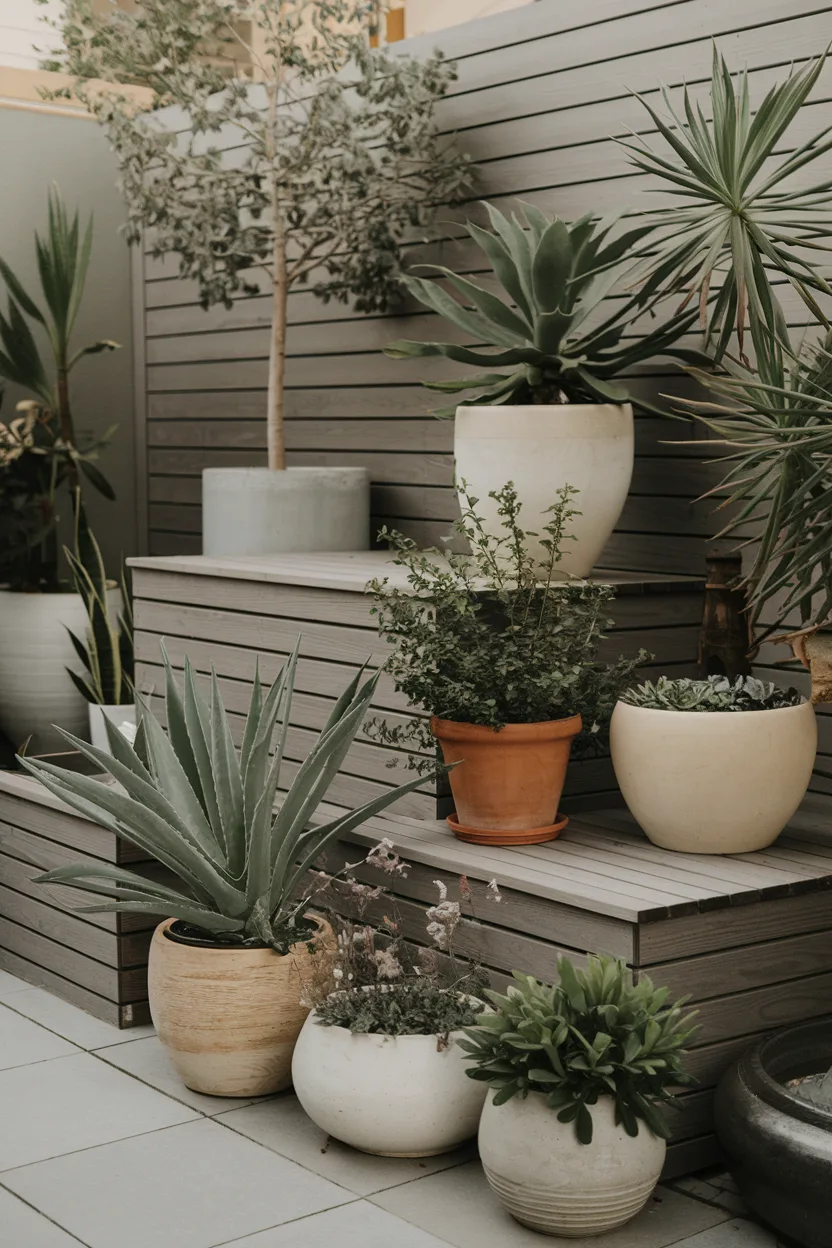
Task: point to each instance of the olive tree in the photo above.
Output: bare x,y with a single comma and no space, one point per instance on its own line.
313,171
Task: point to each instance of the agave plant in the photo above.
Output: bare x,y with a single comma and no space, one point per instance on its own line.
558,340
776,427
189,800
738,214
107,650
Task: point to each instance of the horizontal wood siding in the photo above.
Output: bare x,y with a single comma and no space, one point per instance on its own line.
96,961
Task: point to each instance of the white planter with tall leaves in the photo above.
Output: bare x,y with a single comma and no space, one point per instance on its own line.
548,411
226,968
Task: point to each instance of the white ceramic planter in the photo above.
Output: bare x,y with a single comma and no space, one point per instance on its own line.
541,448
395,1096
35,690
254,511
553,1184
713,782
125,713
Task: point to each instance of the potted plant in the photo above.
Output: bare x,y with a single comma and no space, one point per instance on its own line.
505,663
378,1064
773,1115
336,159
710,766
548,409
105,649
223,975
573,1140
41,466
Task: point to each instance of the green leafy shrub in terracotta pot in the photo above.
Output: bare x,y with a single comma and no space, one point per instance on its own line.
504,657
573,1138
711,766
378,1063
225,968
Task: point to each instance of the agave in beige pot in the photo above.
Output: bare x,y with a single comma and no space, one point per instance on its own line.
226,968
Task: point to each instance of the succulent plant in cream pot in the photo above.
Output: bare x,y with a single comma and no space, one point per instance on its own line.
547,409
230,872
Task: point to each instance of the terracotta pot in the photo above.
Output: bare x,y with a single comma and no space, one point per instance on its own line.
228,1018
508,785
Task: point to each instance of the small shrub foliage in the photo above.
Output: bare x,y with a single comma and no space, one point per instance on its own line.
717,693
594,1034
492,638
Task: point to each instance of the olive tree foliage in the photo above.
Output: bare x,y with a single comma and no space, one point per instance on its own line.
314,173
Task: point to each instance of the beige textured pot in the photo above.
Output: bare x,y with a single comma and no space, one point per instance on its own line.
713,782
228,1018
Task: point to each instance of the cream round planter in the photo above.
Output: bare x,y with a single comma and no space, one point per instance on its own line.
117,714
541,448
35,690
254,511
713,782
394,1096
553,1184
228,1018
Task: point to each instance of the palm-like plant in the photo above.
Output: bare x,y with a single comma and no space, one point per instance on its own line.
63,257
207,814
737,214
776,425
557,340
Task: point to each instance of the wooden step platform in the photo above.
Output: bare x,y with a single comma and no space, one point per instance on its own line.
748,937
235,612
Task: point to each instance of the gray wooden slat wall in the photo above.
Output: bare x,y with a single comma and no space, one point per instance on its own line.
542,92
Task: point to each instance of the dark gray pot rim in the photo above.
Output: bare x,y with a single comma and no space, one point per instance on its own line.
795,1051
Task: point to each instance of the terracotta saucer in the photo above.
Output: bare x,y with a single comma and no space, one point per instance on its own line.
488,836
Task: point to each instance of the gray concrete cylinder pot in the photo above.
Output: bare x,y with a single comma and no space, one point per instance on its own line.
779,1148
257,511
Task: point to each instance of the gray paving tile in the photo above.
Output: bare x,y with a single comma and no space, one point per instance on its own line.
147,1060
22,1227
282,1125
10,983
69,1021
458,1206
75,1102
192,1186
23,1042
738,1233
360,1225
717,1189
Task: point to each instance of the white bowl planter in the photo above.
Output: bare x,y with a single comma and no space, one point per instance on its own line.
713,782
394,1096
117,714
541,448
256,511
35,690
551,1183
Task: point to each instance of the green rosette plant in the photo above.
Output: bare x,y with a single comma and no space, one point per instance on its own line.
595,1033
716,693
554,333
206,812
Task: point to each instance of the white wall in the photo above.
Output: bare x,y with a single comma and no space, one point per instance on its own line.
422,16
25,36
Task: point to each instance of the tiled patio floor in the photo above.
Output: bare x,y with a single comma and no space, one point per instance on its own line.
101,1145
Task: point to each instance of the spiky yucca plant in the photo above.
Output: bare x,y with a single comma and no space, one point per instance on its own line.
189,800
554,335
738,215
